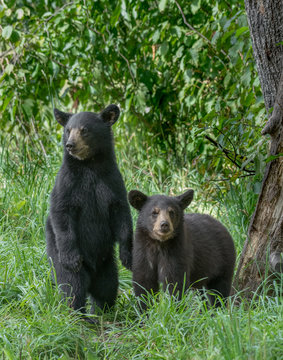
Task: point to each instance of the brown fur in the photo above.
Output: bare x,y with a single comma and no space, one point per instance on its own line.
188,250
80,149
163,216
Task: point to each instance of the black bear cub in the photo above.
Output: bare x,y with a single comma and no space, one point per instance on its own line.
89,211
171,248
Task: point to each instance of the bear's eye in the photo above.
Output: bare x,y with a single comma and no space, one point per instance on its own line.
68,131
171,212
84,131
155,212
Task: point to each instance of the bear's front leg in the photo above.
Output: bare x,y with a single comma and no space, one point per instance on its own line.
173,275
122,230
143,286
63,224
126,246
145,277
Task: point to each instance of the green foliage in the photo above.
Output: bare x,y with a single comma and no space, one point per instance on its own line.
178,75
35,323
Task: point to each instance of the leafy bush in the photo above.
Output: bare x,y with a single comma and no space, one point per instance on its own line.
183,75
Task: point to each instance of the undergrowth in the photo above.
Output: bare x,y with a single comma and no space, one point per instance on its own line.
35,323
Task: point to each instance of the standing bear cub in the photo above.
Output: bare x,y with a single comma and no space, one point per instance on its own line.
179,250
89,211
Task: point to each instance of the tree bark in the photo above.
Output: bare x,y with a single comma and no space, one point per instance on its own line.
263,248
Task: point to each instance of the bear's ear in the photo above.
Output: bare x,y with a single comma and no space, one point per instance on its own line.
186,198
137,199
110,114
62,117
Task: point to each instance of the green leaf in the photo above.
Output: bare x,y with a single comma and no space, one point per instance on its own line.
273,157
116,14
162,5
47,14
15,36
249,99
227,80
28,106
195,6
8,12
156,36
246,77
257,187
241,30
164,48
2,11
188,75
141,100
7,32
178,31
6,102
207,118
226,35
68,46
92,36
215,37
190,100
20,14
20,204
194,57
179,52
35,72
129,102
55,69
9,68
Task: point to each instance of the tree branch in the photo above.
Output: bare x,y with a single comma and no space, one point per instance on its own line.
227,154
196,31
128,64
58,10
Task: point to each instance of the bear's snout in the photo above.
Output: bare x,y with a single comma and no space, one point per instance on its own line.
70,145
164,226
76,145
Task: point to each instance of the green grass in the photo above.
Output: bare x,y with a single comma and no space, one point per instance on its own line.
36,324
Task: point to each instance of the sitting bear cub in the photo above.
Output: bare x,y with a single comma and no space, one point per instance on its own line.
171,247
89,211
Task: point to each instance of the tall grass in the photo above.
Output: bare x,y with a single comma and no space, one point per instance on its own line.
35,323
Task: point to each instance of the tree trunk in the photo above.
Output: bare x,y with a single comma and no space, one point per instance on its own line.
263,248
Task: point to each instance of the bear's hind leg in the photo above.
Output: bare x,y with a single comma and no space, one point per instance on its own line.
104,286
73,285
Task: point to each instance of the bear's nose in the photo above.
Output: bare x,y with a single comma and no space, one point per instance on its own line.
70,145
164,225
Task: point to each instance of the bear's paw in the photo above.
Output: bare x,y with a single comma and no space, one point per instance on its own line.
126,258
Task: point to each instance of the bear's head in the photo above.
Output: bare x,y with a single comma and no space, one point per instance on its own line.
159,215
87,134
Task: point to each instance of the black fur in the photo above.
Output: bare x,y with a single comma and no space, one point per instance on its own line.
199,249
89,211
